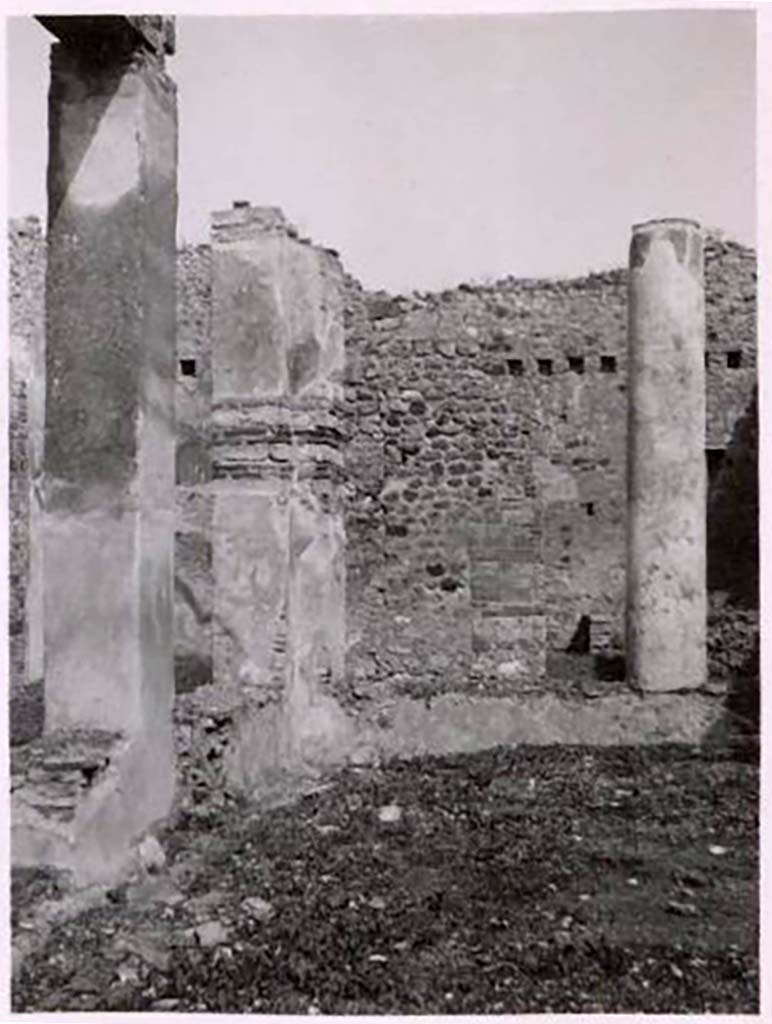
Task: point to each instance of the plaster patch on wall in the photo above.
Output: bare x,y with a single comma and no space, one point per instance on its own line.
555,482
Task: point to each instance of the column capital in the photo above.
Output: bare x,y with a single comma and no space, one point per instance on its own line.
113,35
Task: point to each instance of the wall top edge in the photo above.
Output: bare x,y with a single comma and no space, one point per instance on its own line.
29,225
266,218
241,221
663,222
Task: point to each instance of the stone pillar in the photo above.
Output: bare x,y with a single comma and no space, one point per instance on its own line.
109,432
666,581
278,546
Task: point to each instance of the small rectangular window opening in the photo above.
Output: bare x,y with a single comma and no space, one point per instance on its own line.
714,457
734,359
188,367
608,364
515,367
589,508
545,367
707,360
576,364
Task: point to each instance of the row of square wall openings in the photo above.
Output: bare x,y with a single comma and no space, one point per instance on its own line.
608,364
546,367
516,367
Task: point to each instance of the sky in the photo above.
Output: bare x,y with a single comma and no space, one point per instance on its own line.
434,150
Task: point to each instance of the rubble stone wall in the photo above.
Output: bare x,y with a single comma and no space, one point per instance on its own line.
19,503
732,423
730,299
523,385
26,252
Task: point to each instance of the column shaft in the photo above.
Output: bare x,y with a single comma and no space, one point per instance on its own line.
666,582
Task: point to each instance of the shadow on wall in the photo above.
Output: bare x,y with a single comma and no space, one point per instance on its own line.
733,664
733,515
585,663
733,574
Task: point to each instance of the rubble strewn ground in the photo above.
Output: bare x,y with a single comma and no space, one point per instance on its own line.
541,879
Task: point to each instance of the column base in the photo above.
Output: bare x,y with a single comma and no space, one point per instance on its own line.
81,798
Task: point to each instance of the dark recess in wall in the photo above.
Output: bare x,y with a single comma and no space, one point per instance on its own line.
733,513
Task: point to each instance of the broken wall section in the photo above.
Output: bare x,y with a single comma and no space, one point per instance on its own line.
277,534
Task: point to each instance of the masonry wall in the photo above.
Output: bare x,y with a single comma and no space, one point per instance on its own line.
508,402
485,469
730,298
732,426
26,252
19,504
483,407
